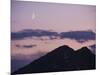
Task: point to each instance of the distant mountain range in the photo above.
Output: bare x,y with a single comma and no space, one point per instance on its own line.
63,58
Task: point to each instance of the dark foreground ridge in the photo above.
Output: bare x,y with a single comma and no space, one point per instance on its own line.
63,58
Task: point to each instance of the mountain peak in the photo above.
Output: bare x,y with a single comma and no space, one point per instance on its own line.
84,50
63,49
64,46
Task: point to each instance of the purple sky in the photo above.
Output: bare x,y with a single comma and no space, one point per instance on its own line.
52,16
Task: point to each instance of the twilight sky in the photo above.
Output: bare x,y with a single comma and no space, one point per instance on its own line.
38,28
52,16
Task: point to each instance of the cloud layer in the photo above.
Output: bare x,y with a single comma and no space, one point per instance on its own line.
22,60
80,36
25,46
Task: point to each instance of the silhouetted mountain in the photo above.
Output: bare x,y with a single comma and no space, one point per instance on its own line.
85,58
63,58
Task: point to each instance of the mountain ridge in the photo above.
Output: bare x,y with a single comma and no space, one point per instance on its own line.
62,58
